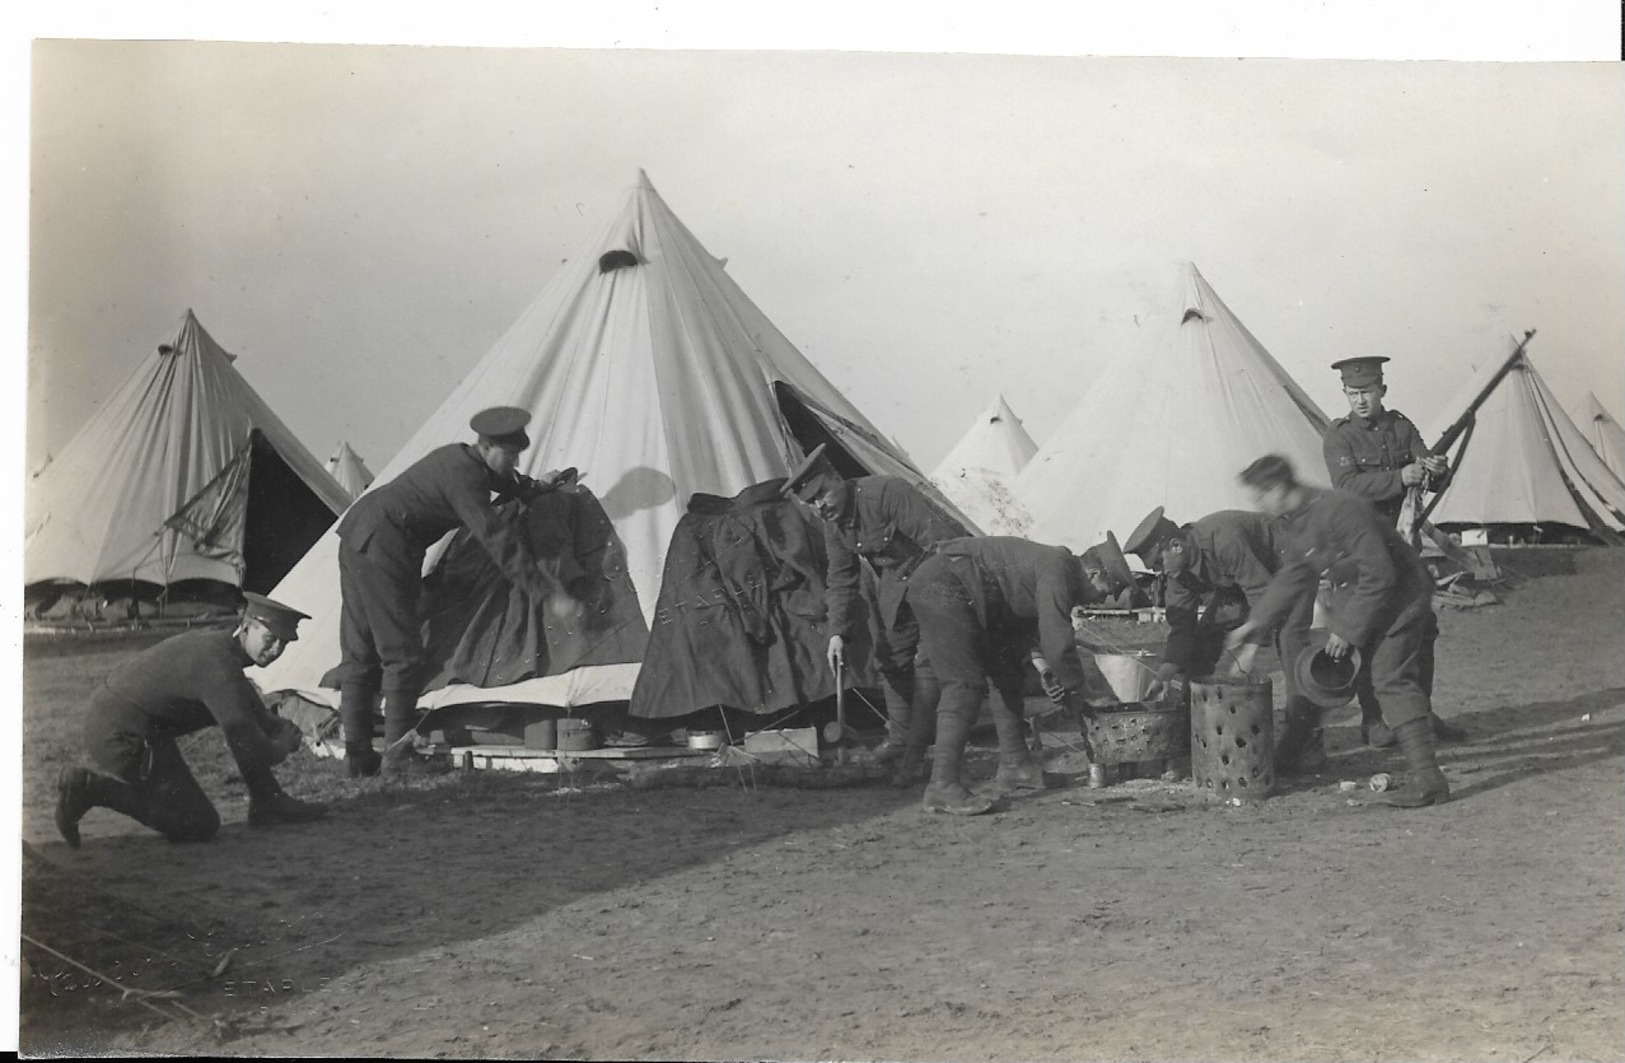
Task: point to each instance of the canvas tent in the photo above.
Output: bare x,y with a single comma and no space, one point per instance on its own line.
183,474
1170,423
977,473
1525,465
1606,436
649,369
349,470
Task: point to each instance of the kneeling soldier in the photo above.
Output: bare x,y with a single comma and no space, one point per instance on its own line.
177,687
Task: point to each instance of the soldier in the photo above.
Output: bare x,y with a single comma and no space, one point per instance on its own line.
179,686
1214,572
1378,454
894,525
1380,600
982,603
383,538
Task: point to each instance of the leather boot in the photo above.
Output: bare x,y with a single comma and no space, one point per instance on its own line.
910,770
1302,748
886,752
1447,732
1017,773
945,793
1425,783
361,760
73,800
356,714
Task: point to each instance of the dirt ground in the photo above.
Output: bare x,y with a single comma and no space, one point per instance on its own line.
497,915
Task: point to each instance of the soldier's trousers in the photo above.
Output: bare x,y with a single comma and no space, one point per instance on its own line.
1396,667
380,644
896,654
965,658
1370,711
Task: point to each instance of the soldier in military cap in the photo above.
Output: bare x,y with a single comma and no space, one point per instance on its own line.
383,538
1108,573
1378,454
892,523
179,686
1380,600
1214,572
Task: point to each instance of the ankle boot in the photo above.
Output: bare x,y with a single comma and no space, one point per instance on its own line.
73,800
361,759
1302,747
1425,783
910,770
1017,773
955,800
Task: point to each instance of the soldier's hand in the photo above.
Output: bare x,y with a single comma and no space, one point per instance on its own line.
1435,464
1165,678
1238,636
836,653
1337,647
1052,686
1413,475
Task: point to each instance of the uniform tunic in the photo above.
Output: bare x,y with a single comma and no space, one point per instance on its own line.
983,602
1231,562
1380,598
383,539
1364,455
177,687
893,524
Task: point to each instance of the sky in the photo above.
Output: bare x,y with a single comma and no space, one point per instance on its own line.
359,224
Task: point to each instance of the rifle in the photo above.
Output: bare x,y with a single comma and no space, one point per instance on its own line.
1412,514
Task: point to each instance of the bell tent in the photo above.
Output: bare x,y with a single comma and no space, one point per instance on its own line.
349,470
646,367
1524,470
977,473
1606,436
1170,423
183,474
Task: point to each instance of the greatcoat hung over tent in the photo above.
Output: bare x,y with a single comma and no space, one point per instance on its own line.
1606,436
1171,423
183,474
977,473
646,367
349,470
1525,463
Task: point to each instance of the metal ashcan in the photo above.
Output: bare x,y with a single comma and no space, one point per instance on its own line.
1233,737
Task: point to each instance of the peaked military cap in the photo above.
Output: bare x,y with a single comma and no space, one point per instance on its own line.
1326,681
1110,557
1149,536
1360,372
502,424
280,620
807,477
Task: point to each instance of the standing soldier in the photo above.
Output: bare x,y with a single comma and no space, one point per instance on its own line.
1380,602
1214,573
1378,454
982,603
894,525
383,538
175,688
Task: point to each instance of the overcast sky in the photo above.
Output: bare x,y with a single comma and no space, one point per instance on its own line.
360,224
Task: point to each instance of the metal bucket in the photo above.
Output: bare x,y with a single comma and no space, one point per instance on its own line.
1233,737
575,736
1128,674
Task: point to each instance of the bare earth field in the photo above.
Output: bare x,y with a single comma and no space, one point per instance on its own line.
497,915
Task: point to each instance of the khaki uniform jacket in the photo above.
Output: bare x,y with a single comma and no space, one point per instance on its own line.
893,524
1234,561
1364,456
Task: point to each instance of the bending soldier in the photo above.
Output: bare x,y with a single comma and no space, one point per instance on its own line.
182,685
1214,572
890,522
1380,603
383,539
982,603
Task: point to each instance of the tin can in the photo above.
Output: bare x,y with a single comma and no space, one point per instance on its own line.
1380,782
1097,776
